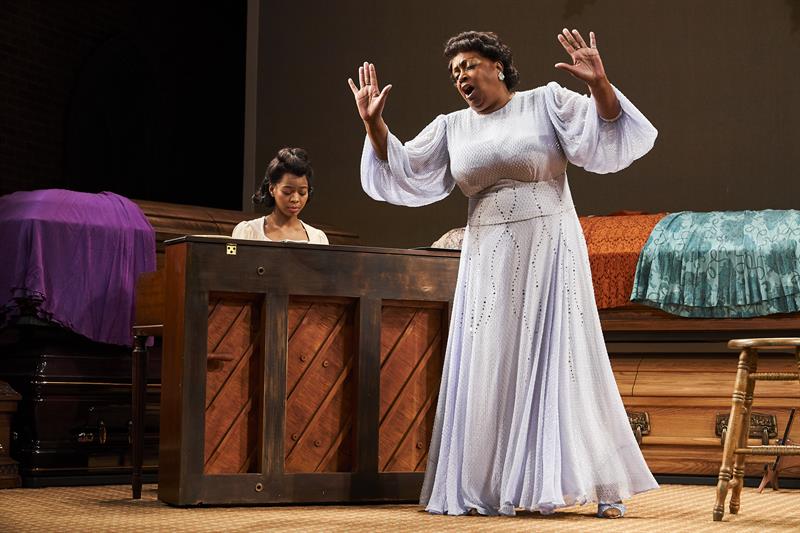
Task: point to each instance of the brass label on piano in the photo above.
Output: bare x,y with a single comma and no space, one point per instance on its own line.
231,248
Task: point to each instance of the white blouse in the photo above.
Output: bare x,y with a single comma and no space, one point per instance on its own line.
254,229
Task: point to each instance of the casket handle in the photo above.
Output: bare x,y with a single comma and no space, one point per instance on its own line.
763,426
640,424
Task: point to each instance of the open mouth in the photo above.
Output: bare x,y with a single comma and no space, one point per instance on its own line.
467,89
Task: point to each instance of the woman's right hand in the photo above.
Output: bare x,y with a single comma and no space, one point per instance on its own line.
370,99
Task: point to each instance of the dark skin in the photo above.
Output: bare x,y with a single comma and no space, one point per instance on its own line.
291,195
476,80
588,67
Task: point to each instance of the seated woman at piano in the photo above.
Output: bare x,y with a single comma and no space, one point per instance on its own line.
286,189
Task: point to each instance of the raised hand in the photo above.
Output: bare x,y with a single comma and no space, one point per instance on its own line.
370,99
586,63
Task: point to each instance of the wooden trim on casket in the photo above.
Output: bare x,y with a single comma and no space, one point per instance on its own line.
640,318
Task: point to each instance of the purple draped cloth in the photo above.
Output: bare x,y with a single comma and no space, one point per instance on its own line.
73,258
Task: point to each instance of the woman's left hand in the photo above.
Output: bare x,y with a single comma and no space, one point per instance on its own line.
586,63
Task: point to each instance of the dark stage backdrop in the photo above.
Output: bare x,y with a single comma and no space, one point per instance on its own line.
718,79
144,98
186,102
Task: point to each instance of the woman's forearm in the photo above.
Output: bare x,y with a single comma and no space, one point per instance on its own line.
378,133
605,99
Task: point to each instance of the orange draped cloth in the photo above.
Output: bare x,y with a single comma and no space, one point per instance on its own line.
614,244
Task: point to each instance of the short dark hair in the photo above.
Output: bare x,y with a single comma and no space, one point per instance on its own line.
487,44
289,160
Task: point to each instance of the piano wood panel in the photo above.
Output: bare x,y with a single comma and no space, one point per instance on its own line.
412,351
320,385
233,386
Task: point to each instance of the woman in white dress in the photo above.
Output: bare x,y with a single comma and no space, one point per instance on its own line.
529,414
286,189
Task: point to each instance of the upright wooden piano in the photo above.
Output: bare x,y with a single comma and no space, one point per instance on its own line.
299,373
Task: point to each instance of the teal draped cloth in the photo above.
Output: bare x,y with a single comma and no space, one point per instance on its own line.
724,264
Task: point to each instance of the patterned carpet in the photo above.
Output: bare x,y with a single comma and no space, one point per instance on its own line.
673,508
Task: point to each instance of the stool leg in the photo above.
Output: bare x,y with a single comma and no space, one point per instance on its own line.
734,432
739,463
138,401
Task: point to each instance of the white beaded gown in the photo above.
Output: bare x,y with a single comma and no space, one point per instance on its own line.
529,414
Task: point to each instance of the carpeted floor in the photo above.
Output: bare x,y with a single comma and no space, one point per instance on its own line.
673,508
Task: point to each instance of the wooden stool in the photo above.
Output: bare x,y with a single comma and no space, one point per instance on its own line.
731,473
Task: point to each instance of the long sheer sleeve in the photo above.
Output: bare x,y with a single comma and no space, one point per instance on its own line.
592,142
416,173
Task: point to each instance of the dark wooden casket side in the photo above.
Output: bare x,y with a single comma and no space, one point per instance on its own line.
71,425
9,468
312,372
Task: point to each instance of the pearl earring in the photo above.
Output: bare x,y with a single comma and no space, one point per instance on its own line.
501,76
